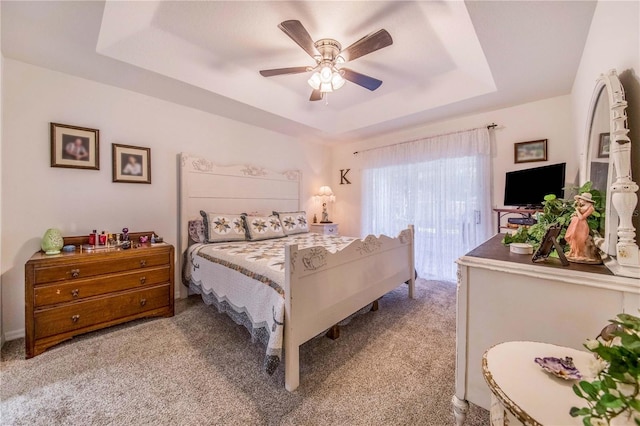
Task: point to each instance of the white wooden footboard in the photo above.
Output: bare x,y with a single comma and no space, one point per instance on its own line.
321,288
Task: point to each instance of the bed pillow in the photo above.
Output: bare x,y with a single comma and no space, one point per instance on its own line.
196,231
222,227
263,227
293,222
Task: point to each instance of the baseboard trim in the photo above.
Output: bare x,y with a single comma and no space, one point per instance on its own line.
13,335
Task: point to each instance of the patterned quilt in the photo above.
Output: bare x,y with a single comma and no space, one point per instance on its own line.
246,280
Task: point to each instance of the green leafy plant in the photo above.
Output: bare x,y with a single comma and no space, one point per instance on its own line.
558,212
615,391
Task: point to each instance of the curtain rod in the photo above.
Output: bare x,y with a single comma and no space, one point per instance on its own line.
489,127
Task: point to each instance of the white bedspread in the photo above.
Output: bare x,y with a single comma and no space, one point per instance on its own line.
246,279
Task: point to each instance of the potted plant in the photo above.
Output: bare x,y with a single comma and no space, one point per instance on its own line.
558,212
613,397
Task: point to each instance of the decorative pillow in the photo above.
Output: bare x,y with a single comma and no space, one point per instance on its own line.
263,227
220,227
293,222
196,231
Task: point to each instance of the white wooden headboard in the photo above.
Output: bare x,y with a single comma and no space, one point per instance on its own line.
207,186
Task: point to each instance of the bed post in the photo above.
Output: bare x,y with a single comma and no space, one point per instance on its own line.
412,265
291,348
183,224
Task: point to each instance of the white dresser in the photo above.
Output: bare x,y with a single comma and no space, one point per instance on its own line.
505,297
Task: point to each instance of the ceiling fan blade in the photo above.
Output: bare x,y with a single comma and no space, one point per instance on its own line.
361,79
316,95
280,71
299,34
367,44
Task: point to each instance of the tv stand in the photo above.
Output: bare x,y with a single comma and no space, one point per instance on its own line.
524,212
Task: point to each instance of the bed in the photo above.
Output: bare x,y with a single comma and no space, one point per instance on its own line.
306,283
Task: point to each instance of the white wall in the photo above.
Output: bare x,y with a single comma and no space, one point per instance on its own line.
547,119
1,77
36,196
613,43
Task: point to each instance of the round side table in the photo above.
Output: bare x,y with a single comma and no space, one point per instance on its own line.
523,393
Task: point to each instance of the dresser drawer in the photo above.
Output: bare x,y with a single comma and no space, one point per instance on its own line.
331,230
74,316
325,228
91,268
67,291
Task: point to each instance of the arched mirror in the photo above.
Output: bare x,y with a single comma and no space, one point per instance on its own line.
596,168
607,163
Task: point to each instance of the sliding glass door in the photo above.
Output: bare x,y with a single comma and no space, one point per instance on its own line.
447,200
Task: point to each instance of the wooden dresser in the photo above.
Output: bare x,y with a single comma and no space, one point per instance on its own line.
73,293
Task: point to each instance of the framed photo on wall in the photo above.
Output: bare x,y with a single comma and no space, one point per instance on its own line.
603,145
74,147
131,164
527,152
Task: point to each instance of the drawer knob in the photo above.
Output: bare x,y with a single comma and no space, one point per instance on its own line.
143,263
143,302
75,292
75,318
75,273
143,280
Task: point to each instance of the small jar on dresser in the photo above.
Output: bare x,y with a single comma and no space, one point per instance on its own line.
325,228
72,293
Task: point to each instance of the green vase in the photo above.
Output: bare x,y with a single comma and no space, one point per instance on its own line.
52,241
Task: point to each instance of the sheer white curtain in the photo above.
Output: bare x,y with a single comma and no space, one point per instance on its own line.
441,185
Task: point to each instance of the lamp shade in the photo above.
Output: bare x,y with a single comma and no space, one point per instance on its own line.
325,74
326,191
314,81
326,194
337,81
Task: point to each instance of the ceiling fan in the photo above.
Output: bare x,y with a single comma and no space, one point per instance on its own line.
328,54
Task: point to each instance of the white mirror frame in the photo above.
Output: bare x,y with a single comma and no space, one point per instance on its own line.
621,194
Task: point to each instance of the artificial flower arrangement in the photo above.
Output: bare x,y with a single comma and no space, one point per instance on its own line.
613,398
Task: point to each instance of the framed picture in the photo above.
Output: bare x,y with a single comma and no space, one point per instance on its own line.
74,147
603,145
527,152
131,164
550,242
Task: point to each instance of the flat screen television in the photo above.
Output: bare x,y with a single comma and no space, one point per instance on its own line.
527,188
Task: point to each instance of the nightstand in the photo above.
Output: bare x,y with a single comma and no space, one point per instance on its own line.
325,228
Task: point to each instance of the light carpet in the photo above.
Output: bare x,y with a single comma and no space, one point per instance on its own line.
390,367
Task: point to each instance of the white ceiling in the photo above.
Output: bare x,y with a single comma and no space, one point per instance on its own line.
448,58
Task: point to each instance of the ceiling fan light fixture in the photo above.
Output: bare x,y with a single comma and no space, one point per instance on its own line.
328,79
